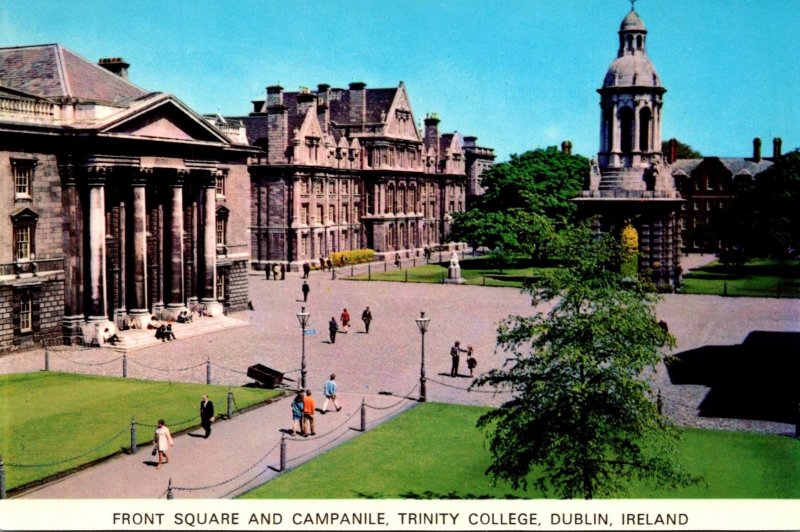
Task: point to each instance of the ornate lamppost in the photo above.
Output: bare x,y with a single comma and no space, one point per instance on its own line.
422,323
302,317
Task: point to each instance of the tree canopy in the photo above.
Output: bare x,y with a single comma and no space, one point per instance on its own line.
582,418
526,198
684,151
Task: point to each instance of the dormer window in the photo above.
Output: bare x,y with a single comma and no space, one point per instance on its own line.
22,171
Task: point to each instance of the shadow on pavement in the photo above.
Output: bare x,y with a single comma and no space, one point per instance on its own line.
756,379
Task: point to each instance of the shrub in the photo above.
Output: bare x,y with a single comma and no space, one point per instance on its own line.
355,256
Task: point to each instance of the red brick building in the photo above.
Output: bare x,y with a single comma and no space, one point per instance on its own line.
348,169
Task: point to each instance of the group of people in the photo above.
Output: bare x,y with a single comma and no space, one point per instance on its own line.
455,358
304,408
164,333
275,270
162,440
333,326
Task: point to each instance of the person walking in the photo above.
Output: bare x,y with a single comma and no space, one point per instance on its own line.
298,427
308,414
471,362
330,394
306,270
306,289
455,352
333,328
345,321
366,317
267,270
206,415
162,441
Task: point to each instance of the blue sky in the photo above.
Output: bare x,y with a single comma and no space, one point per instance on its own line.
518,74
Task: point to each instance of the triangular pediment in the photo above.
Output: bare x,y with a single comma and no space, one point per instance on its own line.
400,118
167,119
310,127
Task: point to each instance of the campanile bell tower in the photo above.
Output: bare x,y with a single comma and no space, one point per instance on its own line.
629,183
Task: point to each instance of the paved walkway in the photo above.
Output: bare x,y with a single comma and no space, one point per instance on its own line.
387,360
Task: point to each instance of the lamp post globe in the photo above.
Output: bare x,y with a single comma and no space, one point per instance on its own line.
302,317
422,324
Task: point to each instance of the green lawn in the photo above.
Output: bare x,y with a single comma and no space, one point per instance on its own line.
434,450
761,278
67,420
477,274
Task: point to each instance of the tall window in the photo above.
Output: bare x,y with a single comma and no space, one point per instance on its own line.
222,284
25,313
22,172
304,213
220,184
221,227
304,245
22,242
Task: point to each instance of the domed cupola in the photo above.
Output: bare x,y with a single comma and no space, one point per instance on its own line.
632,67
630,102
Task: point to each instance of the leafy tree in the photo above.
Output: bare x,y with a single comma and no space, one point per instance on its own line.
684,151
582,416
526,199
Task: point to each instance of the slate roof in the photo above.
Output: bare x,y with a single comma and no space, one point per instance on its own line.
52,71
735,165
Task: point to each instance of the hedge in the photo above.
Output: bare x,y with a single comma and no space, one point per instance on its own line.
355,256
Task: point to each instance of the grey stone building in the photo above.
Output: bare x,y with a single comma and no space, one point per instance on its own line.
630,182
115,202
347,169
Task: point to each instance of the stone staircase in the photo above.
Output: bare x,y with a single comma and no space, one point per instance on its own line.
134,339
622,178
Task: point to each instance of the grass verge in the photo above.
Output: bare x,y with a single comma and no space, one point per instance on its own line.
434,273
59,421
759,278
435,451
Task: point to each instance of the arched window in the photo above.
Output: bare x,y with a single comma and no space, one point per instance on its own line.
626,130
639,42
608,125
644,129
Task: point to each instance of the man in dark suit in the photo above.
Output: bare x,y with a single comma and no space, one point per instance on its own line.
206,414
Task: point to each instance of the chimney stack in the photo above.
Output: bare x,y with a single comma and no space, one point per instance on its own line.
432,131
115,65
673,151
358,102
757,149
566,147
776,148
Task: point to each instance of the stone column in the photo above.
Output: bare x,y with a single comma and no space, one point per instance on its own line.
209,262
616,134
96,180
175,264
139,241
72,238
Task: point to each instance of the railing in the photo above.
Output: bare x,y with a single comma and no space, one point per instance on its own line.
27,107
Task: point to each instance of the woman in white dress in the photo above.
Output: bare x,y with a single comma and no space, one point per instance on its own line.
162,441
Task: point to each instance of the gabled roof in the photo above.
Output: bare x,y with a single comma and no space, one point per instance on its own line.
52,71
735,165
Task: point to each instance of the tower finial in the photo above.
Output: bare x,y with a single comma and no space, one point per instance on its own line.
632,2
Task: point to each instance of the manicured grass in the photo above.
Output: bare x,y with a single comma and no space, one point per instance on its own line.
434,450
761,278
51,418
433,273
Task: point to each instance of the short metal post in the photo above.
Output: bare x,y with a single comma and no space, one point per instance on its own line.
406,276
385,265
282,466
660,404
725,288
46,359
351,270
134,448
208,370
484,279
230,403
415,262
333,273
369,272
2,478
124,366
170,495
363,415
